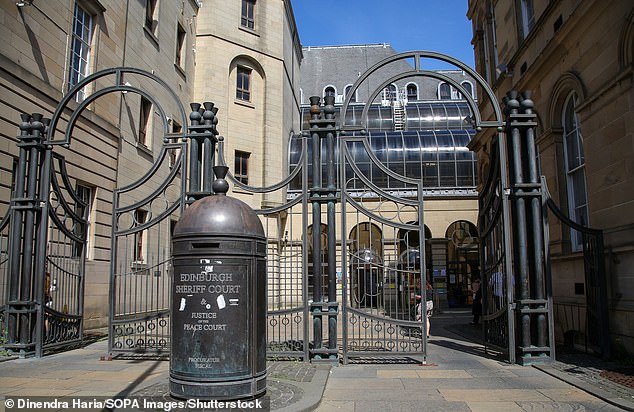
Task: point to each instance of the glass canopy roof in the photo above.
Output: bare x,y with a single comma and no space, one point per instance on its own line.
439,157
424,115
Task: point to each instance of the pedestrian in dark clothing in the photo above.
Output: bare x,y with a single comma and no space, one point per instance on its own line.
476,308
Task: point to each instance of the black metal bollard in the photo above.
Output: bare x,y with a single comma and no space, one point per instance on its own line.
218,300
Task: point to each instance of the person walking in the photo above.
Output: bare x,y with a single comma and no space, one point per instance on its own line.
429,307
476,307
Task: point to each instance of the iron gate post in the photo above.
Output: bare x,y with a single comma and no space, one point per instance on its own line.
322,126
331,195
535,215
534,311
202,146
316,308
24,306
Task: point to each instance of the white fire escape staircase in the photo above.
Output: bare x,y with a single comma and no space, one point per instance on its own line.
398,115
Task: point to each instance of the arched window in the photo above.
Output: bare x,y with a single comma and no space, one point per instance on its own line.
366,236
330,91
463,263
444,91
468,87
390,92
366,265
353,99
574,163
412,92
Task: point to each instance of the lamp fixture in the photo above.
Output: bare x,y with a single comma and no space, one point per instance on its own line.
22,3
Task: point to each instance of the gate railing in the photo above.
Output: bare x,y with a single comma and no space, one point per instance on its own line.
497,288
4,273
515,249
593,315
288,315
140,284
65,261
384,303
42,249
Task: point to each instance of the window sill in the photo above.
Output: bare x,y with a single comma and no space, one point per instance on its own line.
244,103
139,267
143,148
180,71
152,36
248,30
241,192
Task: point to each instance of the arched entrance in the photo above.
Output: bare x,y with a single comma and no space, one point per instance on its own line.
463,262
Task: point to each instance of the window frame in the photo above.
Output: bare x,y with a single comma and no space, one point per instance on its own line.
145,124
330,90
440,91
79,68
407,91
87,194
241,166
491,46
526,16
247,14
346,91
469,87
174,153
181,41
243,93
151,16
391,92
140,217
574,187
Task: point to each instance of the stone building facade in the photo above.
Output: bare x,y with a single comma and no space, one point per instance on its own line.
197,50
577,59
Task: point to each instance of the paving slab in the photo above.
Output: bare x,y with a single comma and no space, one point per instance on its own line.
459,374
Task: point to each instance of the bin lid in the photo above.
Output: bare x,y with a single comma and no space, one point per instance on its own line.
219,215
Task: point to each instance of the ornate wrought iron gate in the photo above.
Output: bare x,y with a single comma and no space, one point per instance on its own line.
495,264
383,260
515,254
43,239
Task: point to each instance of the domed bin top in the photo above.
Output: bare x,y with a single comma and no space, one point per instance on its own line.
219,215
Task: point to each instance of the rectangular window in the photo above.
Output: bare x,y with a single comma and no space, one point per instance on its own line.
151,15
527,17
243,84
14,176
241,167
140,216
83,210
248,14
173,153
81,41
490,46
144,121
172,228
180,46
574,162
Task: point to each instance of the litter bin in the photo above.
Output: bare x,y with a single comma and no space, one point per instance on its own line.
218,345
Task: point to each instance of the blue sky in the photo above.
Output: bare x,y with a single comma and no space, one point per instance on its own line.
434,25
